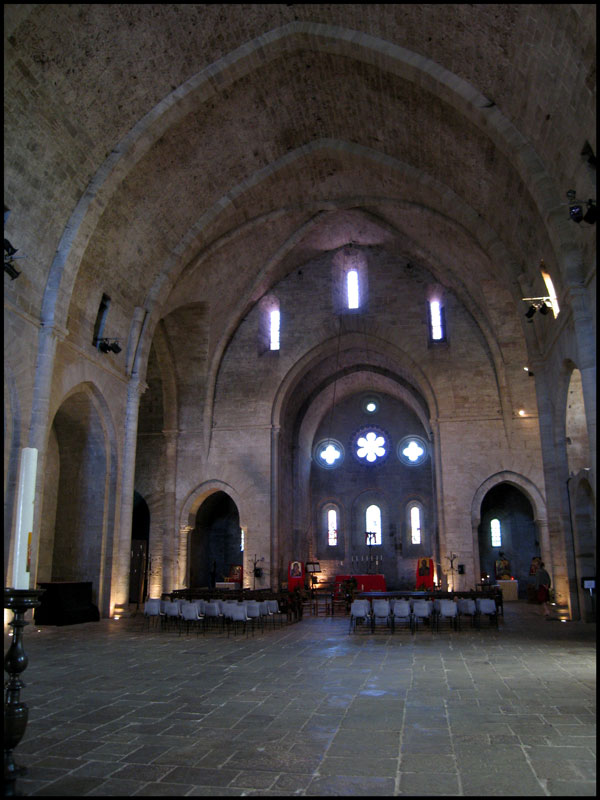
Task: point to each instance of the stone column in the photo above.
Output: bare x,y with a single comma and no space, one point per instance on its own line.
578,298
122,545
274,576
554,542
49,337
182,572
172,553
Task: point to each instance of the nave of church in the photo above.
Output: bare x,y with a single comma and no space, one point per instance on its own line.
300,287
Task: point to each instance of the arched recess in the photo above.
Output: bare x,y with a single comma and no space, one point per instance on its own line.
535,498
327,375
576,431
189,520
79,495
515,527
214,541
583,520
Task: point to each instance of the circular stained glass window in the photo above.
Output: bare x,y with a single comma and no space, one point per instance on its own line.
371,445
412,450
329,453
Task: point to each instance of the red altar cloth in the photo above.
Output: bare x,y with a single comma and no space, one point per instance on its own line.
364,583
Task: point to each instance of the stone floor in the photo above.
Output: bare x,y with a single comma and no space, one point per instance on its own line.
311,710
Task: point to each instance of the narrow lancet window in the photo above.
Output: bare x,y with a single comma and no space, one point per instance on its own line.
332,534
352,286
373,525
551,293
496,533
275,323
415,524
437,327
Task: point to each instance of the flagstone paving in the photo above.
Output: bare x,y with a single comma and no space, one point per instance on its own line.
309,709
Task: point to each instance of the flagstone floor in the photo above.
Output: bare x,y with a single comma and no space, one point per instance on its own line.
310,709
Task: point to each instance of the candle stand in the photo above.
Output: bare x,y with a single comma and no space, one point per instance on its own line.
15,662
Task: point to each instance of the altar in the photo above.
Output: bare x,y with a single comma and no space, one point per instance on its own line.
510,590
364,583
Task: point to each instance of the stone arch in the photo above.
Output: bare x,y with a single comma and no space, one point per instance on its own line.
79,495
409,65
531,492
187,520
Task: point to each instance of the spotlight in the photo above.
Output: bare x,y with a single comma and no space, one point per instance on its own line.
578,213
9,249
590,214
529,314
9,267
544,309
108,345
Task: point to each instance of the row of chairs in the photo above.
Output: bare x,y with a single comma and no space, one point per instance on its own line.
215,614
414,612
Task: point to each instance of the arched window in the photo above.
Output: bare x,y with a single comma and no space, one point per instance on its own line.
350,284
373,524
332,526
551,292
274,329
269,327
496,532
352,288
437,322
415,522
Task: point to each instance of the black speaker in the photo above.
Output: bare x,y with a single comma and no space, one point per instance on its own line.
461,569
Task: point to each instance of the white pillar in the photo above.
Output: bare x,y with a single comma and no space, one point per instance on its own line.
24,528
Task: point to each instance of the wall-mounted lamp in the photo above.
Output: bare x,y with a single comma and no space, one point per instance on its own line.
579,211
9,257
108,345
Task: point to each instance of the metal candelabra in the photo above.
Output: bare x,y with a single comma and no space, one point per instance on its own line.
16,713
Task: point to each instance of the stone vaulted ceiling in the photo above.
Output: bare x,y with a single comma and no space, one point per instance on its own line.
199,153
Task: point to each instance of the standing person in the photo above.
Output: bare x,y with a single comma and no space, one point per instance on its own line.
542,585
213,575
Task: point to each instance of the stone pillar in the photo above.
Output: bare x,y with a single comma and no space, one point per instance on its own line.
49,336
173,567
182,572
578,298
274,571
554,542
122,544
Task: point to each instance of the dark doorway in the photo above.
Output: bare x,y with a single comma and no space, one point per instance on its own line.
216,541
516,526
140,530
